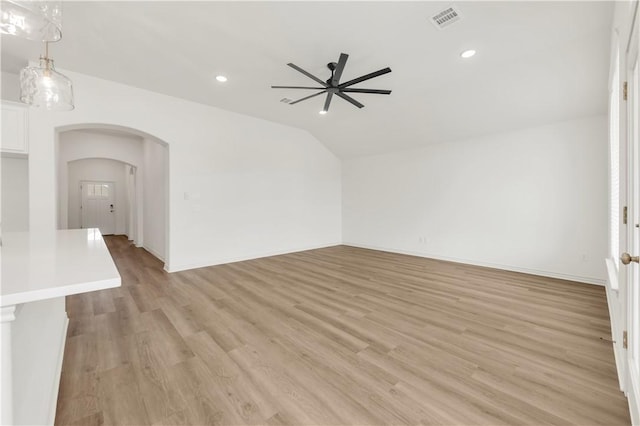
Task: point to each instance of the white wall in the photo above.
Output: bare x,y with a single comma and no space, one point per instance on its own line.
15,194
97,169
155,193
534,200
10,87
254,188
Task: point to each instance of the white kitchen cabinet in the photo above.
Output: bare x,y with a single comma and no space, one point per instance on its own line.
14,128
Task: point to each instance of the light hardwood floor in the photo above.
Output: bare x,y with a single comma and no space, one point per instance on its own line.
337,336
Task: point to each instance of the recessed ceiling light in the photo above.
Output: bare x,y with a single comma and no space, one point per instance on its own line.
323,112
468,53
221,78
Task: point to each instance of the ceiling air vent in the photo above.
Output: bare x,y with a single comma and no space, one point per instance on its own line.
445,17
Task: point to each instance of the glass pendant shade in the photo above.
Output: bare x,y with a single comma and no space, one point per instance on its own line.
34,20
44,87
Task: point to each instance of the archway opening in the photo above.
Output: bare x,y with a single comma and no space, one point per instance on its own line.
117,179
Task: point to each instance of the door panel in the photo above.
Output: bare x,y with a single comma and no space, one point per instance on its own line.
634,219
632,269
98,208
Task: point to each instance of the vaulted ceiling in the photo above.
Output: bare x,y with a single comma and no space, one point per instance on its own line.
537,62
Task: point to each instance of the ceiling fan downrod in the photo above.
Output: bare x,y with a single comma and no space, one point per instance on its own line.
332,67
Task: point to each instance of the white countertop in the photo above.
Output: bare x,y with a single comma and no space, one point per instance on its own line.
60,263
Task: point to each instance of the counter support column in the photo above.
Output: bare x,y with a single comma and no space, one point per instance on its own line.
7,316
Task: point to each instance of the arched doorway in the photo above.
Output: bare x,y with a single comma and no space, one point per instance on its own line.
91,153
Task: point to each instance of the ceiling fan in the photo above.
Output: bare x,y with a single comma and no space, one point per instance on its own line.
333,86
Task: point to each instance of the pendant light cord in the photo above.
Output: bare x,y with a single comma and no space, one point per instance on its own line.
46,58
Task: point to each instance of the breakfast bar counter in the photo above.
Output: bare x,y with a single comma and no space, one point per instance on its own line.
36,268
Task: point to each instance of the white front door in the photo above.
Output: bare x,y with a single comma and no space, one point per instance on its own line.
97,208
630,258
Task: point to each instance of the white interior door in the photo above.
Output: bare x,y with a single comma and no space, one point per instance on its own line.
630,258
97,208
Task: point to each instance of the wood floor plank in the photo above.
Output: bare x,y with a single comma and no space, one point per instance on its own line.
337,336
119,397
230,381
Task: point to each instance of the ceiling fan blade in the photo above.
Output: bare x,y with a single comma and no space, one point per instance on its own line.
327,101
350,99
311,76
307,97
339,68
365,77
378,91
296,87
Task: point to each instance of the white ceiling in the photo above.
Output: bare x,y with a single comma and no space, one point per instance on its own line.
537,62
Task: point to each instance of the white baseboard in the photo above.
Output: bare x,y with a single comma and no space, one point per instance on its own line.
213,262
549,274
56,383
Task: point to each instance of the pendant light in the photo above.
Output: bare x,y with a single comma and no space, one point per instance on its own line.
44,87
32,19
